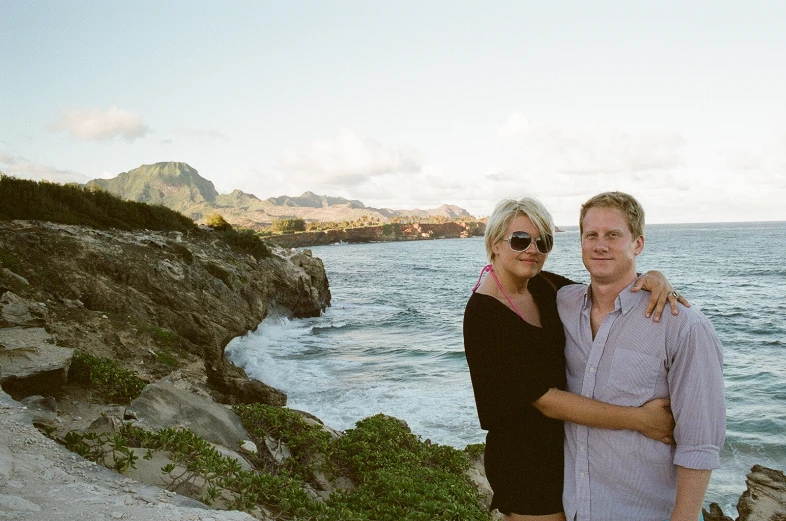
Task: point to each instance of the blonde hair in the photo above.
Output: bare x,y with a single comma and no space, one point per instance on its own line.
507,210
627,204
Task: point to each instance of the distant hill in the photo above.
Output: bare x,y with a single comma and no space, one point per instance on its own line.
180,187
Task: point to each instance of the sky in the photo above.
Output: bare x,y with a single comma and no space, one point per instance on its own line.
410,104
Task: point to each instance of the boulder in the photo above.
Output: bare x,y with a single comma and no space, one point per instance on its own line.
30,363
42,409
477,474
715,514
19,311
162,405
765,499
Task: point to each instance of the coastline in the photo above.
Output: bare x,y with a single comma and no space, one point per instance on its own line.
381,233
70,281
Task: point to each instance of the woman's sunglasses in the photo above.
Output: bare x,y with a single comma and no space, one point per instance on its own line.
520,241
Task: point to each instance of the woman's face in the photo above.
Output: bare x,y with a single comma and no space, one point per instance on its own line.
519,264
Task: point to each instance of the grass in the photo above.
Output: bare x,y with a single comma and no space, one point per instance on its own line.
106,376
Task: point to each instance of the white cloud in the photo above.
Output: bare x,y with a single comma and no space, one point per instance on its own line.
348,159
20,167
549,148
94,124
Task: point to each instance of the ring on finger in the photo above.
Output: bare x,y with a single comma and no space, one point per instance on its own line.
674,293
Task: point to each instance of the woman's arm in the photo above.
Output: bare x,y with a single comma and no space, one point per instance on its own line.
661,290
653,281
653,419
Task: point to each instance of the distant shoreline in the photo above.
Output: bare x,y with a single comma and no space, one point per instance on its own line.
396,232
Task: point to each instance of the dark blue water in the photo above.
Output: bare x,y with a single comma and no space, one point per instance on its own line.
392,340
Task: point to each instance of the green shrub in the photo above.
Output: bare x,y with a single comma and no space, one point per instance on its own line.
245,241
73,204
402,477
262,420
217,222
475,450
289,225
399,476
105,375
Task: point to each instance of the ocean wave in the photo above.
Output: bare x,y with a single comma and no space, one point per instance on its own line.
329,325
452,355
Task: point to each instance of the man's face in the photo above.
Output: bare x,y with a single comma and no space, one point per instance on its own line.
608,247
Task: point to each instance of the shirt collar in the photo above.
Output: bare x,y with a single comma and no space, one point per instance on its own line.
625,301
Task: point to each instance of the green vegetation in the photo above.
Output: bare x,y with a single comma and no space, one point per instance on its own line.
169,344
105,375
397,476
362,222
109,450
283,424
73,204
217,222
176,185
289,225
388,227
475,450
394,229
245,241
10,261
92,206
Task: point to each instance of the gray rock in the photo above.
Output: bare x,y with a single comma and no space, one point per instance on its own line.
278,450
15,277
30,364
162,405
715,514
18,311
43,409
765,499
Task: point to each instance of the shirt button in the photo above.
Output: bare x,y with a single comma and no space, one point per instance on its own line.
581,448
592,369
587,395
582,474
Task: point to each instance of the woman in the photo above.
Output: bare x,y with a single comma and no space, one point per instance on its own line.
514,343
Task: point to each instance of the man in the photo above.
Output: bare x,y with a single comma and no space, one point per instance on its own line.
616,355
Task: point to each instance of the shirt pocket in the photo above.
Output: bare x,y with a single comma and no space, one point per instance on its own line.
632,377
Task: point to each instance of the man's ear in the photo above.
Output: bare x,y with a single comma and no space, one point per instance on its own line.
639,245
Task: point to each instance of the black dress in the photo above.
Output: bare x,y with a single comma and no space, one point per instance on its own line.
513,363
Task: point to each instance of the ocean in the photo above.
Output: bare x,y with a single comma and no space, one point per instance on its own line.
392,340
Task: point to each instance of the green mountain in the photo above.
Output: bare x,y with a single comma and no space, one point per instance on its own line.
175,185
180,187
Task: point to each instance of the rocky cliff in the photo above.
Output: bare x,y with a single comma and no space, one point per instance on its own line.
386,232
156,302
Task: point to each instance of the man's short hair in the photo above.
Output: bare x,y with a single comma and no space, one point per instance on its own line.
507,210
623,202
